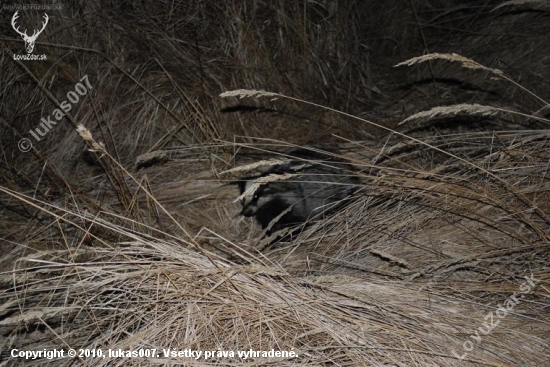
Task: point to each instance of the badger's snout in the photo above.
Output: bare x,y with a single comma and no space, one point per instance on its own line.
248,211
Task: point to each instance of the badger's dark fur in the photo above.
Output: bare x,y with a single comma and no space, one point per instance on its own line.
319,185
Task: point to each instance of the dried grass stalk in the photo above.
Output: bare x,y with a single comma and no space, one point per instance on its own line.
253,166
246,93
151,158
464,61
446,111
533,4
261,181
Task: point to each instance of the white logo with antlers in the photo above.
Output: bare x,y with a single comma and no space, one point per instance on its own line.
29,40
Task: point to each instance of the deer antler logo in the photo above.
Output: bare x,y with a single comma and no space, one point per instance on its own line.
29,41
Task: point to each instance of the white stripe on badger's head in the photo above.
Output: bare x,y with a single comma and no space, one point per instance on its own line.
260,191
251,194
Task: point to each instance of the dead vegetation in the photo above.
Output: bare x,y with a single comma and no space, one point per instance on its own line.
125,234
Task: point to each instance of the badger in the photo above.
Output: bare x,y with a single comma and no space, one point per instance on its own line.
307,187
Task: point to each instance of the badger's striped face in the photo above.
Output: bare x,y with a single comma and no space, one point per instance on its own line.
253,201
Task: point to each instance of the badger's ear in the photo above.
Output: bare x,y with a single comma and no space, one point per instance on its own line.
242,185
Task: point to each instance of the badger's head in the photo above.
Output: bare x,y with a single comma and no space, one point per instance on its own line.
254,199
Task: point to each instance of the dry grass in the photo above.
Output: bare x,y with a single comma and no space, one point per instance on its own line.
126,233
451,111
464,62
529,4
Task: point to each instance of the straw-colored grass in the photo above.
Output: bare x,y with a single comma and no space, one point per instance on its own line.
126,234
